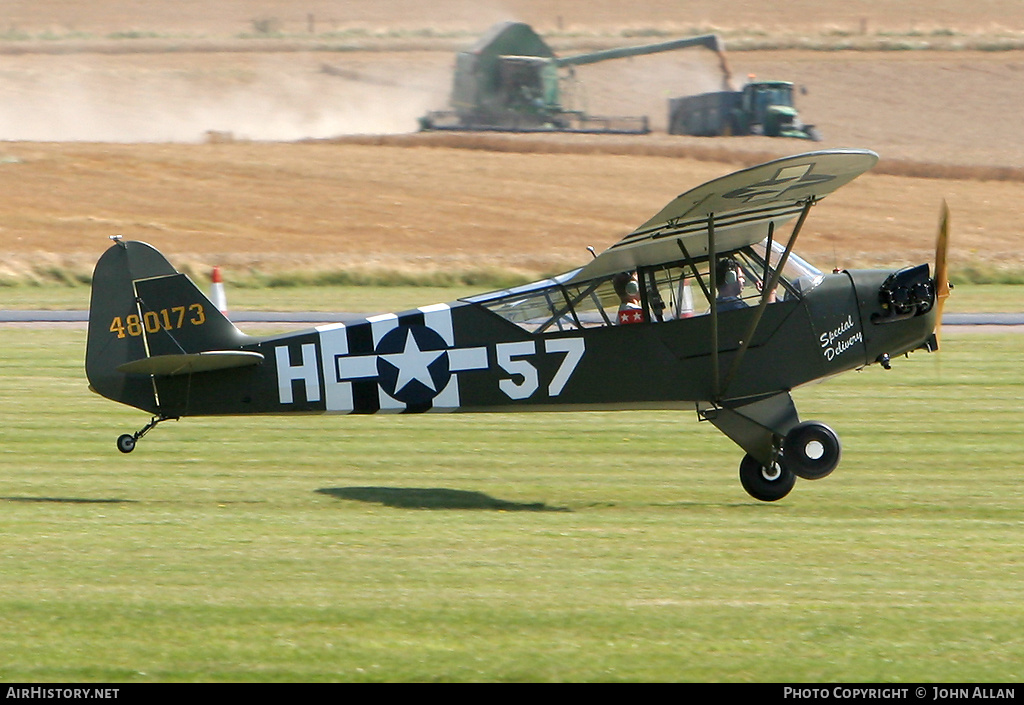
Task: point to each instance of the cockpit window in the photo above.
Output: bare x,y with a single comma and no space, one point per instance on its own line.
550,305
666,292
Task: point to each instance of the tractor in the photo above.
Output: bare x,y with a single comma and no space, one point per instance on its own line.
761,108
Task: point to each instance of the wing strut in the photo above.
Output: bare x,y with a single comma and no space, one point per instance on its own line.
768,256
766,290
713,277
693,269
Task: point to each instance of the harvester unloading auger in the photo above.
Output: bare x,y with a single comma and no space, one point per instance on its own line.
510,81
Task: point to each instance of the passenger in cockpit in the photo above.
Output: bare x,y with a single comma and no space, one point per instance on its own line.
627,287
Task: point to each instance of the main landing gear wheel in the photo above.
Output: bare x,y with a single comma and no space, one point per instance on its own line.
766,484
812,450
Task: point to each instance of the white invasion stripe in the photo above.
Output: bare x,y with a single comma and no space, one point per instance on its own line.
382,317
448,398
438,317
388,404
332,327
334,346
382,325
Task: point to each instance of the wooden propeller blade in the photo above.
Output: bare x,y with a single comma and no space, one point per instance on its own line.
941,250
941,271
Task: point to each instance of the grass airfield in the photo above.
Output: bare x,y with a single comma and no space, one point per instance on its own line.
543,547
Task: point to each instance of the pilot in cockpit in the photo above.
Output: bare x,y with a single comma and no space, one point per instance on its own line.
731,278
730,281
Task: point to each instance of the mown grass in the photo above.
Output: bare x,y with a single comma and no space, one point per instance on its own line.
548,547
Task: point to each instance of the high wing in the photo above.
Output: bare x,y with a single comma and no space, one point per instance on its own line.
741,206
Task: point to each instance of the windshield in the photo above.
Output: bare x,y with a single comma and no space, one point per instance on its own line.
798,274
765,96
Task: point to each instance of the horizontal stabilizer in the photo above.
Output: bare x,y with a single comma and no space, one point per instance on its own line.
171,365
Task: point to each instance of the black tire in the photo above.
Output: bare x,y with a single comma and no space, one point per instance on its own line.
812,450
126,443
764,484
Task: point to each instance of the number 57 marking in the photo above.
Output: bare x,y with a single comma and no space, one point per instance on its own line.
510,358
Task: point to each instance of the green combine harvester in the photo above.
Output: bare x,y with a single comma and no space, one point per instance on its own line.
511,81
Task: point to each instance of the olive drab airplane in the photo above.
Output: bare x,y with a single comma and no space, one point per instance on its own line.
704,307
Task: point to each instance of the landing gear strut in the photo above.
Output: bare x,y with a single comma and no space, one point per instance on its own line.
126,441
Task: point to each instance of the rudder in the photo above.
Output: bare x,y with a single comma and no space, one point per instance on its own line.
142,307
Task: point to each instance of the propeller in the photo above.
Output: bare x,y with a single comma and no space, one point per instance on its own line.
942,286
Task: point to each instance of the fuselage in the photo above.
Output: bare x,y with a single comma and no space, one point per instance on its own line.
464,357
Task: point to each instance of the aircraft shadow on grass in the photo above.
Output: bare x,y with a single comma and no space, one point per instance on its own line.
433,498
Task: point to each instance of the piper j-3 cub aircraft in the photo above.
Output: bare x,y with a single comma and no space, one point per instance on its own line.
705,307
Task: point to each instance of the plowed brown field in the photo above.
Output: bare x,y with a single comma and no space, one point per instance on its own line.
109,135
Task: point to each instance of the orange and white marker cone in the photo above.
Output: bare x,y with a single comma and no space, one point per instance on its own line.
220,300
685,300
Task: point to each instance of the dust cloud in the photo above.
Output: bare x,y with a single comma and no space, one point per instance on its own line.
184,98
643,85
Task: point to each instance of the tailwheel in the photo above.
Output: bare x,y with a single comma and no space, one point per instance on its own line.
765,483
812,450
126,441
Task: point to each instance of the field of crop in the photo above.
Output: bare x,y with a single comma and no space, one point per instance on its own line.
568,547
235,17
417,211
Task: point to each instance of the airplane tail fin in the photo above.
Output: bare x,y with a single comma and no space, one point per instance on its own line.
142,309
